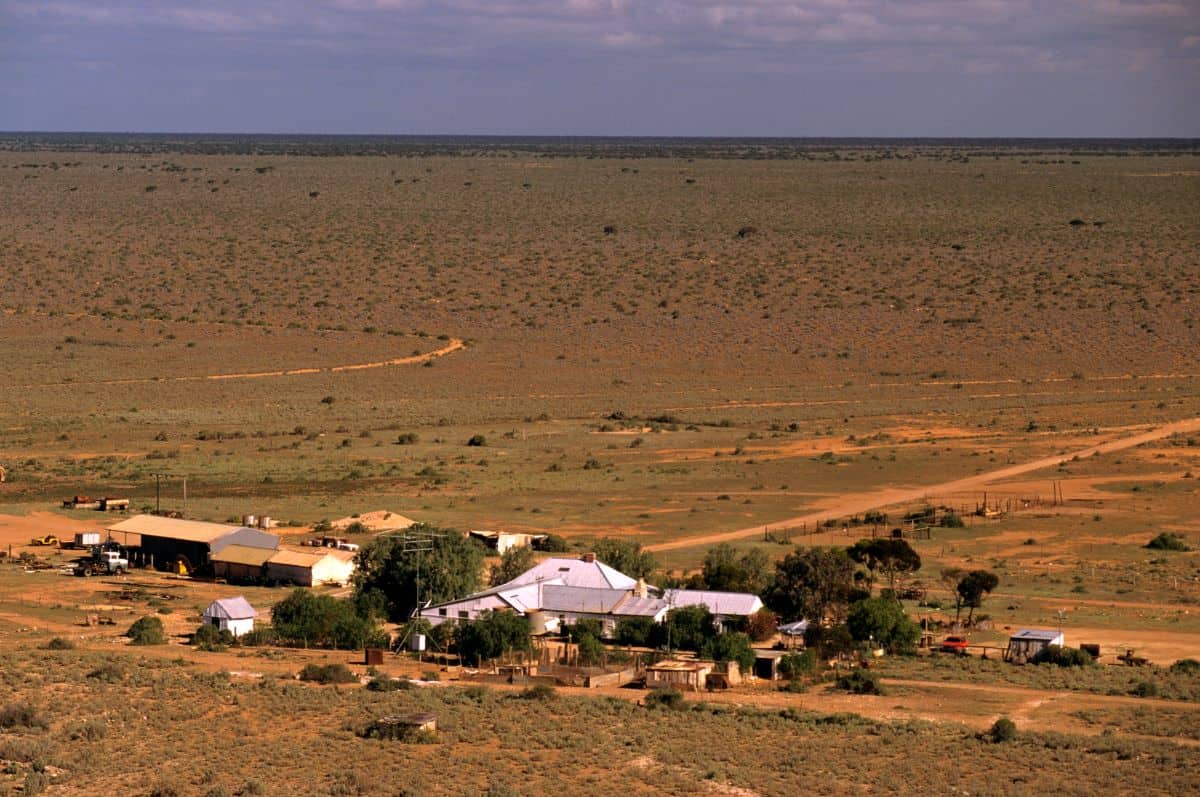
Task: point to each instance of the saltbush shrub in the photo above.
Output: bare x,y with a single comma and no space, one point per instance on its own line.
1002,730
1063,656
22,715
665,697
335,673
58,643
860,682
1168,541
147,631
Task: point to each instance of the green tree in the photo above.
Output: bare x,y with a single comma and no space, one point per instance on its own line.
305,618
762,625
388,569
813,584
730,646
725,571
687,628
973,588
885,621
626,556
591,650
492,635
890,556
513,562
636,631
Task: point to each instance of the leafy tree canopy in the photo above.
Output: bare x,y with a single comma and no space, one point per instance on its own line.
885,621
513,562
725,571
813,584
450,567
492,635
626,556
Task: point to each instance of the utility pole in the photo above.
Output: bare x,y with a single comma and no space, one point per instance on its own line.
157,493
185,496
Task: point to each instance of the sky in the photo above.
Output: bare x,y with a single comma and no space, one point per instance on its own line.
1072,68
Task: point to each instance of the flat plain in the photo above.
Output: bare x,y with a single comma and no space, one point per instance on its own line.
675,347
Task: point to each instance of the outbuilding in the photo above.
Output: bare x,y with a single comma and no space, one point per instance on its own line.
680,674
1027,643
234,615
185,546
240,563
311,568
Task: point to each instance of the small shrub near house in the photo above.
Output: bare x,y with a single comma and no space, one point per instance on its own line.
666,697
382,682
147,631
860,682
335,673
540,692
209,637
1063,656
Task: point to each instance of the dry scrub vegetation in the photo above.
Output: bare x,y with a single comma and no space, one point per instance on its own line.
177,731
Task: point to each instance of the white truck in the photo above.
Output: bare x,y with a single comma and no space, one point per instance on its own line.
103,563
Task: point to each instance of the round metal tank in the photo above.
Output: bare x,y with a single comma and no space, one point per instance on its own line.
264,522
248,520
418,643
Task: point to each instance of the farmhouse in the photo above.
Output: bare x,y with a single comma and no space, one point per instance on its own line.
234,615
560,591
311,568
185,546
1027,643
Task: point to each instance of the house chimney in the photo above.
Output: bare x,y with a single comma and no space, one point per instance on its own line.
640,590
588,557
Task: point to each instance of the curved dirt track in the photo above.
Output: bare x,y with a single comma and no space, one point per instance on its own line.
454,345
877,499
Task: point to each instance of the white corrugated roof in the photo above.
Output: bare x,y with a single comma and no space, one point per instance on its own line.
739,603
576,573
231,609
1037,633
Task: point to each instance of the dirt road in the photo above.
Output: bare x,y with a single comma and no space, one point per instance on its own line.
855,504
454,345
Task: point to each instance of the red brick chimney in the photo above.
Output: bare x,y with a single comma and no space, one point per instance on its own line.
588,557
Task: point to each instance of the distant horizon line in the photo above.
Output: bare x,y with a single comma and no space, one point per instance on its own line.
594,136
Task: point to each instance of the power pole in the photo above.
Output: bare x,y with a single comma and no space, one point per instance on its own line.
157,493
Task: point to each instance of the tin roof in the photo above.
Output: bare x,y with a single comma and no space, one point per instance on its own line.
173,528
737,603
231,609
294,558
242,555
1038,634
576,573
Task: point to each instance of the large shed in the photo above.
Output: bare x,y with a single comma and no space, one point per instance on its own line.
234,615
311,568
186,546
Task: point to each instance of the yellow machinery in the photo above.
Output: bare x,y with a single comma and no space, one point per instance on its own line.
48,539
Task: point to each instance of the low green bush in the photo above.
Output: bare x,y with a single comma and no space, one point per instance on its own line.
1063,656
1002,730
147,631
58,643
667,697
22,715
335,673
860,682
1168,541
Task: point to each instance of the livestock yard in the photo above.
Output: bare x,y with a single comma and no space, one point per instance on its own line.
678,345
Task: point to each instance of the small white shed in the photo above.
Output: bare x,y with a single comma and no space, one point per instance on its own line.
1027,643
234,615
311,569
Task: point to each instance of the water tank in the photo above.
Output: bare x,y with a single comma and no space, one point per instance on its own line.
248,520
418,643
264,522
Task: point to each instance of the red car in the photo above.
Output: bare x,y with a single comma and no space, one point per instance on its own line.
955,644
